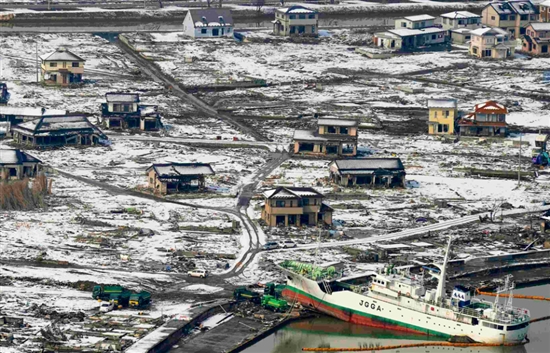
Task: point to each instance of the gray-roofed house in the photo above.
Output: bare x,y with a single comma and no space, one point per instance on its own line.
178,177
512,16
208,23
61,68
52,131
544,9
11,116
336,137
123,111
388,172
291,206
537,39
491,43
15,164
410,33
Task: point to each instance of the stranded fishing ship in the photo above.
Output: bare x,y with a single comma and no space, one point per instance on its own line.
397,300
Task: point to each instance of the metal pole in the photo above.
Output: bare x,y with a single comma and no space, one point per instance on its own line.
37,71
519,160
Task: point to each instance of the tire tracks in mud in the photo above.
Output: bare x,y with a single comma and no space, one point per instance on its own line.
245,194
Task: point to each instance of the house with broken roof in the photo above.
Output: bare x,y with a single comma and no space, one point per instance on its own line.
53,131
460,24
15,164
370,172
491,43
537,39
4,94
512,16
333,137
208,23
295,20
61,67
487,119
410,33
172,178
122,111
17,115
292,206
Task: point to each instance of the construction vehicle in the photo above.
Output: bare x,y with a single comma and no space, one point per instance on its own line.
119,295
242,293
140,300
274,289
274,304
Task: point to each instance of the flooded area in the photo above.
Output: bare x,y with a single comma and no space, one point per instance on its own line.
329,332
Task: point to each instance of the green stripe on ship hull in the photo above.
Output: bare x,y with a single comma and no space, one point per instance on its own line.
379,318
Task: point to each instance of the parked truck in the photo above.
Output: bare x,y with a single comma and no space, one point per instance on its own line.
140,300
119,295
242,293
274,289
274,304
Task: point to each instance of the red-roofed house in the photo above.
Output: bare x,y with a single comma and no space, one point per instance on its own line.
488,119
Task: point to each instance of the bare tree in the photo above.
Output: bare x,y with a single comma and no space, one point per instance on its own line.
259,4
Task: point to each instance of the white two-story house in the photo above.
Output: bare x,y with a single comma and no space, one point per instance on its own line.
208,23
295,20
460,24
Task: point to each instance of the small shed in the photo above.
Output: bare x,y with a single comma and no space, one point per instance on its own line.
388,172
15,164
178,177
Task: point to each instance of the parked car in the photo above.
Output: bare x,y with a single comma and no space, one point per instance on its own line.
289,244
198,273
105,307
271,245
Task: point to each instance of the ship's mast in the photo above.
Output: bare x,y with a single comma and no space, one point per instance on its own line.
440,294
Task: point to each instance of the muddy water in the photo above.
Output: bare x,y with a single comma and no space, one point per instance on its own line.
329,332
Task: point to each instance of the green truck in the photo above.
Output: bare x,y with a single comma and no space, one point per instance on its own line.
274,289
242,293
120,296
274,304
140,300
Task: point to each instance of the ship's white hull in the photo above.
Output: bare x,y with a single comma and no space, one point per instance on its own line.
387,313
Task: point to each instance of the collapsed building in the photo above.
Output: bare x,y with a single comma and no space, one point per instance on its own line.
15,164
332,137
178,177
52,131
388,172
122,111
291,206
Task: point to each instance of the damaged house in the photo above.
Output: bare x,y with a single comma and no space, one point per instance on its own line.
387,172
178,177
488,119
51,131
123,111
410,33
336,137
208,23
291,206
62,68
15,164
10,116
4,94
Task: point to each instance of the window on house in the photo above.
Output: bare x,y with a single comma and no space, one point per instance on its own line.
544,49
279,204
312,29
302,17
474,50
433,36
53,64
331,129
311,17
524,17
292,29
493,18
446,113
292,17
403,24
344,130
151,180
533,17
512,18
76,64
126,107
204,30
305,202
534,46
503,17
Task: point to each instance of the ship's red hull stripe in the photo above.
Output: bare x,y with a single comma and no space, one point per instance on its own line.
344,315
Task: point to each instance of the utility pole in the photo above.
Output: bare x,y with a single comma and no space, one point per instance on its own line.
519,160
36,58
